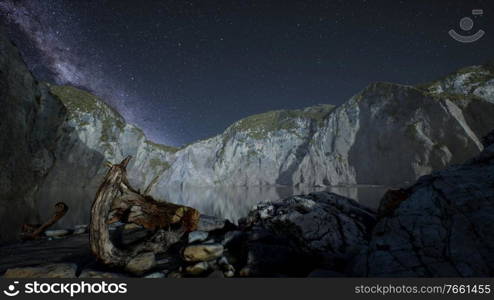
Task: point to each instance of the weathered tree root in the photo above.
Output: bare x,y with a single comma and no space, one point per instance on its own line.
117,201
30,231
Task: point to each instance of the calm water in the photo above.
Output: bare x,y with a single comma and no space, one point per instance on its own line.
227,202
235,202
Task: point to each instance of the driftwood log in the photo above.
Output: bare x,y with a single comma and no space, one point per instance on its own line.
30,231
117,201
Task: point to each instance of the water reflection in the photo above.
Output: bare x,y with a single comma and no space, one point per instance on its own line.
227,202
235,202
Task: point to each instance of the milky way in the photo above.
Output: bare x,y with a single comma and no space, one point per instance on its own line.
40,24
185,70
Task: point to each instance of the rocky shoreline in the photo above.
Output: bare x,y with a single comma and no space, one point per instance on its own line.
438,227
295,237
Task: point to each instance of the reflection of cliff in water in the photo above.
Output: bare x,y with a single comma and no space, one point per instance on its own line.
224,201
235,202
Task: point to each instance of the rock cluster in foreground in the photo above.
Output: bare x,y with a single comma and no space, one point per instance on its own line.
291,237
439,227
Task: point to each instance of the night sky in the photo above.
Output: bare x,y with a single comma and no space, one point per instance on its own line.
185,70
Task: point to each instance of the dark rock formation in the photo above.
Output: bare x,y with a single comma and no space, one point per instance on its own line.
30,122
308,234
294,235
488,139
443,228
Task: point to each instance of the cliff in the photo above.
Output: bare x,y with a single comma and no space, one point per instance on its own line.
55,140
30,124
388,134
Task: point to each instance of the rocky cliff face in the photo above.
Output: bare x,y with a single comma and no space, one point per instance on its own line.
55,140
30,122
388,134
95,133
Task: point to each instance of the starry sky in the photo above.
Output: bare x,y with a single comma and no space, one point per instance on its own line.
185,70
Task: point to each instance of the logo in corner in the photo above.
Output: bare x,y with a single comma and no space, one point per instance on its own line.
466,24
11,291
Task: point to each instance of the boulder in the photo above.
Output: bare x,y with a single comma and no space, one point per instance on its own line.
291,236
202,252
391,200
442,229
267,255
62,270
318,222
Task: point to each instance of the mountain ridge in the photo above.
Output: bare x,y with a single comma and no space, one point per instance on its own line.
387,134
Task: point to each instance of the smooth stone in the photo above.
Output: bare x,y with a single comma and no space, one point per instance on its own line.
61,270
141,263
202,252
197,236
